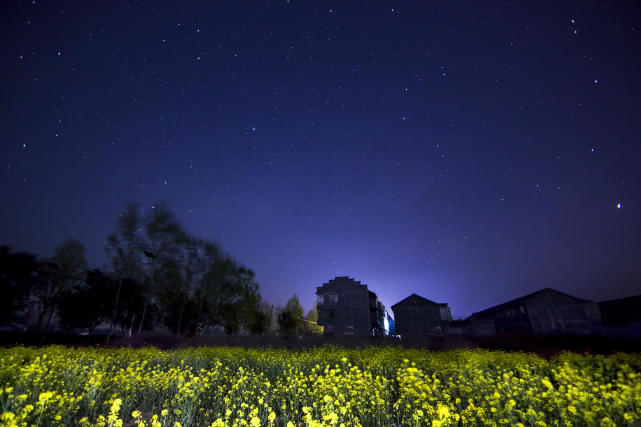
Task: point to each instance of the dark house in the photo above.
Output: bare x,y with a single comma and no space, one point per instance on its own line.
418,316
347,307
621,317
545,312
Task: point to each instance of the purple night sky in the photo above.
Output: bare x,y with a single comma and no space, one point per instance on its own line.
470,152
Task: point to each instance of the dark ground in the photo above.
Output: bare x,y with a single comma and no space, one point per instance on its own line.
544,346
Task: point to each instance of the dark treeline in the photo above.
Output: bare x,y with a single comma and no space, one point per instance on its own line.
158,277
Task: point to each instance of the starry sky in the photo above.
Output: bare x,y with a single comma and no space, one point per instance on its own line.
469,151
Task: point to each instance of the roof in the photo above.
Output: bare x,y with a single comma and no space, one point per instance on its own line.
330,286
416,299
620,310
520,300
631,299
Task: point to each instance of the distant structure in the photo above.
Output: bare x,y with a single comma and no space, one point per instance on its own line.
418,316
621,317
545,312
390,326
347,307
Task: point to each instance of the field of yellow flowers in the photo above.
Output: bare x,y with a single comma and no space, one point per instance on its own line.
324,386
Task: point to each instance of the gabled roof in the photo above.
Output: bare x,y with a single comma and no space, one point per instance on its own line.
518,301
416,299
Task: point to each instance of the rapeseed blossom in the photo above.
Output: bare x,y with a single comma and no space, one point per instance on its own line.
320,387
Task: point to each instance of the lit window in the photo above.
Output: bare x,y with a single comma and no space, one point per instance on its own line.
321,299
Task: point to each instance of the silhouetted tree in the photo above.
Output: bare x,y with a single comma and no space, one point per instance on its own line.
132,300
165,252
125,248
290,319
59,274
18,272
262,321
219,289
88,303
178,273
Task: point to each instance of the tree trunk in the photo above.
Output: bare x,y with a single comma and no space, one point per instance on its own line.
142,318
51,309
41,315
113,316
44,302
180,316
132,324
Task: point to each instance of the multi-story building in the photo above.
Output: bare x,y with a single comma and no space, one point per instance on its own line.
347,307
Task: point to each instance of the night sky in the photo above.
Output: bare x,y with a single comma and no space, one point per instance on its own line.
470,152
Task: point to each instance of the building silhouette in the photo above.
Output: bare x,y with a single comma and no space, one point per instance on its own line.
418,316
545,312
347,307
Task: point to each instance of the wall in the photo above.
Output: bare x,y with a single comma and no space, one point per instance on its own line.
555,314
350,314
417,320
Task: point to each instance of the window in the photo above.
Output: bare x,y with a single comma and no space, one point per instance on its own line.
333,298
320,299
522,310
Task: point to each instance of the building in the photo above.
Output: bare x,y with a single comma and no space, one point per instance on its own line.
418,316
545,312
347,307
621,317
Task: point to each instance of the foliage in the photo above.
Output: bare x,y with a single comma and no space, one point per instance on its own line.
188,283
312,316
290,319
16,281
86,305
59,275
162,278
324,386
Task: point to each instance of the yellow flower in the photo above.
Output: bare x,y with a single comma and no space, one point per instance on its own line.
443,411
115,407
42,399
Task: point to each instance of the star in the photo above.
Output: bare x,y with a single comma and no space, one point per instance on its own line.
596,81
619,206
